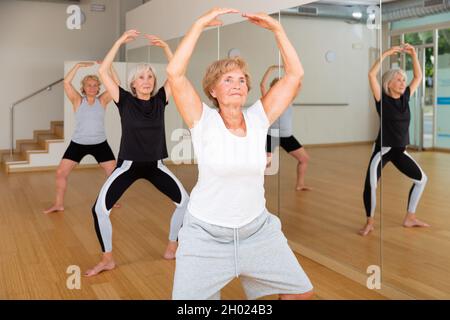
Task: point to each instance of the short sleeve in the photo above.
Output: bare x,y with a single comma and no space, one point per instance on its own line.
123,97
258,115
160,97
378,103
198,125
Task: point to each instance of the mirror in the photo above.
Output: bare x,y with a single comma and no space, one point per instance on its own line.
416,261
335,120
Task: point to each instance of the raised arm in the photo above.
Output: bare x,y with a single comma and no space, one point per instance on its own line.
186,98
264,79
156,41
107,80
284,91
73,95
105,97
409,49
373,73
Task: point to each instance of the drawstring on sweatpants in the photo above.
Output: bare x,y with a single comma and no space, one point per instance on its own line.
236,244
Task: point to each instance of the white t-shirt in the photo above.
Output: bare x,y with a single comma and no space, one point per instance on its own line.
230,187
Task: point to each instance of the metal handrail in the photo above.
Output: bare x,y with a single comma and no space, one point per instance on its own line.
46,88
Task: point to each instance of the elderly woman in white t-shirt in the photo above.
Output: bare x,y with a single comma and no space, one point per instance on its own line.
227,231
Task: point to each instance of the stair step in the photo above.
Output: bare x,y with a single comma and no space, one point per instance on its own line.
24,147
47,136
15,157
42,139
58,129
37,145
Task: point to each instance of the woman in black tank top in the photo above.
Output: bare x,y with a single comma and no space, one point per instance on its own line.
392,103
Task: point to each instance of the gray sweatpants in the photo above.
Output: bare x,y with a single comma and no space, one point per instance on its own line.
210,256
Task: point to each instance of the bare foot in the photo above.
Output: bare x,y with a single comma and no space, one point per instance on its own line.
102,266
171,250
54,208
303,188
368,228
414,222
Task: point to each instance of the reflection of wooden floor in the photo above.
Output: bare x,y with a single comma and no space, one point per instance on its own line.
418,261
327,219
35,249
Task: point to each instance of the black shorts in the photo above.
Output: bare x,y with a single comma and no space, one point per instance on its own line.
101,152
287,143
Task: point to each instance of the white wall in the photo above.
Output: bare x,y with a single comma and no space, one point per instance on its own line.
34,43
124,7
172,18
344,80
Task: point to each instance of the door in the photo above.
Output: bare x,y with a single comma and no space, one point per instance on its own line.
422,103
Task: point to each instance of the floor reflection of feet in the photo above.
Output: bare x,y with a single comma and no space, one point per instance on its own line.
102,266
366,230
303,188
411,223
54,209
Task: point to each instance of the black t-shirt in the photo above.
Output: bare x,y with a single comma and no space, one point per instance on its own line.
143,131
395,120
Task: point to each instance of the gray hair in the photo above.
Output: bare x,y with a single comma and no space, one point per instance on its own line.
388,76
136,72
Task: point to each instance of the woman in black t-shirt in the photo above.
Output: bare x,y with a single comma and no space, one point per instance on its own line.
142,148
392,103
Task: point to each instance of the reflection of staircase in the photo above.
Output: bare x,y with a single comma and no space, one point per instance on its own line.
39,144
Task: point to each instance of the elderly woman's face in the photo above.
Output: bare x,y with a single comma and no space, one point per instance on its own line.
91,87
144,83
231,88
397,84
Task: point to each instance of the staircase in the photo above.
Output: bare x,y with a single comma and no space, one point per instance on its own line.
40,144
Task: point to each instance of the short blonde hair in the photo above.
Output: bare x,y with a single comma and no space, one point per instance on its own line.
89,77
136,72
388,76
218,69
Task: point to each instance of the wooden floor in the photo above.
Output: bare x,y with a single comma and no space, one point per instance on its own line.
418,261
37,249
326,220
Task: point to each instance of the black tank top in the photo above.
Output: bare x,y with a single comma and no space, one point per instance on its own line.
396,116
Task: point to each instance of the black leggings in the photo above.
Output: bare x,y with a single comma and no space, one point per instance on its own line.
125,174
405,164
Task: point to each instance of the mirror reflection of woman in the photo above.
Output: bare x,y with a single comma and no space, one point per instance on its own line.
280,133
392,102
227,231
89,136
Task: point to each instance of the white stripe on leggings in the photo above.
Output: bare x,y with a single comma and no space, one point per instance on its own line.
102,213
126,165
184,194
419,186
374,179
